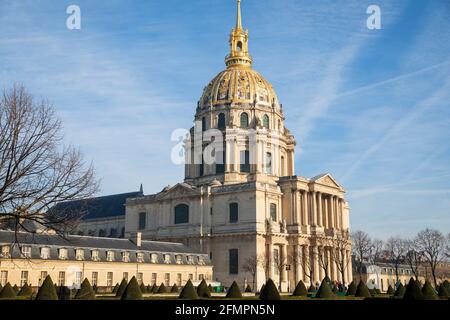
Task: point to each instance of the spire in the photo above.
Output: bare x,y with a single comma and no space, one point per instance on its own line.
141,189
239,17
239,55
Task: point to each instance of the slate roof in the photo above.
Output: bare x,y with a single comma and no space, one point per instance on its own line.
100,207
72,242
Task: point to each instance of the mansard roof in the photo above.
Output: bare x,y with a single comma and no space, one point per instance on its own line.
100,207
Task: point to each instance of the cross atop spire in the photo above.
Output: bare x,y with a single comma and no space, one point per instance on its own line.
239,16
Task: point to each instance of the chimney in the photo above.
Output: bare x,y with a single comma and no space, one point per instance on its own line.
137,239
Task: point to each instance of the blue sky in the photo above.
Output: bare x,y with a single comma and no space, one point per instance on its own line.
369,106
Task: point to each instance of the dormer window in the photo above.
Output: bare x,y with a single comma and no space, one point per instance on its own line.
79,254
167,258
45,253
95,255
6,252
201,260
63,254
26,252
190,259
178,259
154,258
110,256
125,256
140,257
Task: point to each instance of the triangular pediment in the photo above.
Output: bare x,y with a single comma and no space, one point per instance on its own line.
179,190
328,180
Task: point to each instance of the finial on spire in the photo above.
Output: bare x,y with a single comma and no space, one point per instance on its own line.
239,17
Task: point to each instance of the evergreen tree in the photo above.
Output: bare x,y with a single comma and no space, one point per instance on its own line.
162,289
351,291
132,291
428,291
202,290
122,287
116,288
188,291
25,291
324,290
413,291
234,292
86,291
174,288
443,292
390,291
155,288
248,289
270,291
47,291
400,292
300,290
143,288
335,289
16,289
7,292
149,289
362,290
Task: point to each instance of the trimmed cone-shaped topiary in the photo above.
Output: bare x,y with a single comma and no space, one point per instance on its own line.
116,288
248,289
155,288
351,291
413,291
132,291
188,291
446,284
25,291
300,290
162,288
16,289
210,288
443,292
122,287
428,291
7,292
270,291
400,292
362,290
390,291
335,289
86,291
234,292
149,289
174,288
324,290
47,291
143,288
203,290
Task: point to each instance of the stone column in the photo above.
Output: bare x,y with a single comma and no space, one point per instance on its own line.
314,209
319,209
306,258
315,262
328,257
334,266
349,267
321,267
305,208
295,218
298,263
284,275
332,222
325,214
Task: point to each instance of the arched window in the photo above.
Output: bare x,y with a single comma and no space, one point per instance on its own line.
181,214
102,233
220,162
234,212
244,120
273,211
268,163
221,121
203,124
265,121
239,46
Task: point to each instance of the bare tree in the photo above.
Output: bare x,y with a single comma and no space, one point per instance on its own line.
36,170
396,250
280,262
362,246
341,243
447,247
251,265
413,257
376,250
432,245
323,257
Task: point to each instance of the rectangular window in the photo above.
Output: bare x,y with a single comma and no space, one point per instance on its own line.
63,254
24,278
178,258
181,214
110,256
78,275
268,163
45,253
200,276
94,278
140,277
79,254
154,258
245,161
42,278
179,279
95,256
233,261
140,257
191,276
6,251
61,279
125,256
167,279
125,276
273,211
142,220
234,212
109,279
4,278
154,278
220,162
167,258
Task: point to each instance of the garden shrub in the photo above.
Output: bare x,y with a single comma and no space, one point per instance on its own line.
47,291
122,287
234,292
188,292
248,289
86,291
203,290
413,291
400,291
428,291
324,291
162,289
132,291
351,291
116,288
300,290
390,291
7,292
270,291
443,292
362,290
25,291
174,288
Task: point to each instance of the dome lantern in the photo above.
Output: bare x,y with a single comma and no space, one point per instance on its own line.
239,55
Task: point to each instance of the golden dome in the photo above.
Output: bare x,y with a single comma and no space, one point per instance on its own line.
239,85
